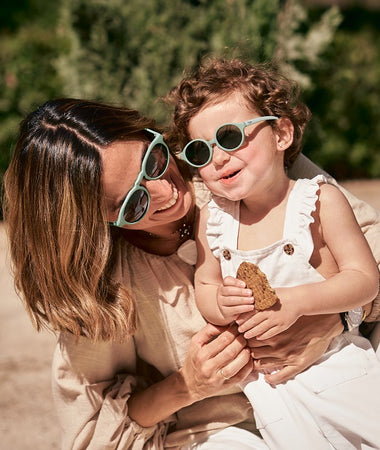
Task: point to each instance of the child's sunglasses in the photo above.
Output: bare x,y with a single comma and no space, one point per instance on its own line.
228,137
153,166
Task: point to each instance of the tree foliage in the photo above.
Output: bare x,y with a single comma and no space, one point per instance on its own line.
134,52
344,136
28,48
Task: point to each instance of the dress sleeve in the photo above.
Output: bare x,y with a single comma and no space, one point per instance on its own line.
92,383
367,216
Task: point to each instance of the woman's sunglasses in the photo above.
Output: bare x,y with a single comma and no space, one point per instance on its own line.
228,137
153,166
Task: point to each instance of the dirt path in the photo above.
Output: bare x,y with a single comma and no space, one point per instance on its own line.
26,408
27,416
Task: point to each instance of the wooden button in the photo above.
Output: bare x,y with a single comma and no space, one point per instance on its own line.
289,249
226,255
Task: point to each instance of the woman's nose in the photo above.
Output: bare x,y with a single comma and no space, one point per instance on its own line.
219,156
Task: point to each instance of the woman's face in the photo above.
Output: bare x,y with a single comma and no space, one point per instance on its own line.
170,199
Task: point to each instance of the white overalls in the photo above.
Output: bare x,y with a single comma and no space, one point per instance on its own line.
336,402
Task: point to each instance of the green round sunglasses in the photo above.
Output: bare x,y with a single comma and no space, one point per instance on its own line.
228,137
153,166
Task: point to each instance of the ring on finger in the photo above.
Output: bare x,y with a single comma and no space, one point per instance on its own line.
222,374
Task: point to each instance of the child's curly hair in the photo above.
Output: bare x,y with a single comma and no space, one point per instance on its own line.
265,90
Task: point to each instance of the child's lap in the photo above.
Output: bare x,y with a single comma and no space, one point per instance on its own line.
350,361
345,380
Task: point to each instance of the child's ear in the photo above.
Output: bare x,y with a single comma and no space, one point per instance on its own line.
285,131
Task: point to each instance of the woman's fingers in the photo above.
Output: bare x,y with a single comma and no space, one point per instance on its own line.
217,358
207,334
283,375
218,338
239,367
227,346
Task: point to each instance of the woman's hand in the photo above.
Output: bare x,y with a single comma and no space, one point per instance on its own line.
218,358
297,348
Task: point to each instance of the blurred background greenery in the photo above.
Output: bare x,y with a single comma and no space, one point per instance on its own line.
133,52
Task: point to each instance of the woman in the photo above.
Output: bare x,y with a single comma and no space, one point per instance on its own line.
99,219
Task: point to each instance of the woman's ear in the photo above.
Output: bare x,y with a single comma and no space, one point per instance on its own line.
285,131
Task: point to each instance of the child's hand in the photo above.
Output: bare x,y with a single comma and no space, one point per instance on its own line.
234,299
267,323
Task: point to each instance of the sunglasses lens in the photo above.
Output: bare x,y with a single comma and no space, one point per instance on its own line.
229,137
198,153
136,207
157,161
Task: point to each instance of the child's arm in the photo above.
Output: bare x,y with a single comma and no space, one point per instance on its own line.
355,284
219,301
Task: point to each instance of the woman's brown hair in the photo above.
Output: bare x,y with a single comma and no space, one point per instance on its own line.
60,240
263,88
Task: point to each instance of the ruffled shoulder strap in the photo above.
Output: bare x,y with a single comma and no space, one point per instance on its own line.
223,224
301,205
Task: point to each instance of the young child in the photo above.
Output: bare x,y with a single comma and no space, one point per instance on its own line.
244,125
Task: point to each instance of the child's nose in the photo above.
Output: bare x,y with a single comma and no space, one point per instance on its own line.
220,156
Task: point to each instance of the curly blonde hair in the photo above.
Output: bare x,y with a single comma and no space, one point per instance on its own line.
60,241
263,88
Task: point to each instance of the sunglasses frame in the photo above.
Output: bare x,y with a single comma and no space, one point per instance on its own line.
240,125
158,139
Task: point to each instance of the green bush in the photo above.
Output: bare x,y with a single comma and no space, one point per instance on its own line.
134,52
344,136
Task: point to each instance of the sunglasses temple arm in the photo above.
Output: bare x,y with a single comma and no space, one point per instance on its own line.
259,119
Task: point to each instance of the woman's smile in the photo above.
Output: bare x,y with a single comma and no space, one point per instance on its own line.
172,201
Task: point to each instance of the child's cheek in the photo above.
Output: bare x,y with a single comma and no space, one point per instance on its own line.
205,173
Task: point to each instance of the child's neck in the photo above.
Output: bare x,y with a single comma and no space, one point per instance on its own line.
262,217
270,197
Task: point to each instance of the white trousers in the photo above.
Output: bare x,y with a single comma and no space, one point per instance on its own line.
333,404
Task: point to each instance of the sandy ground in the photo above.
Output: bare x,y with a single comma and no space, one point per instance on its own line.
28,419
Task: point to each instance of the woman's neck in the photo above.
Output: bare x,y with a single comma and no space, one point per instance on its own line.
167,241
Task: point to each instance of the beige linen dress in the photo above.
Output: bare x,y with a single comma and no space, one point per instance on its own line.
93,381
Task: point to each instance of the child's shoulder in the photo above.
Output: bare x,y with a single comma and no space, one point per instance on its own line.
331,197
321,185
329,191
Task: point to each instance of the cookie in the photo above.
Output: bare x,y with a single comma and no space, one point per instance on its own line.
264,296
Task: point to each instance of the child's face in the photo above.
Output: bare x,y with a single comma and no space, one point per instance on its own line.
259,161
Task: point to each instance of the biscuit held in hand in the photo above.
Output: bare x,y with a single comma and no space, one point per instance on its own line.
265,297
